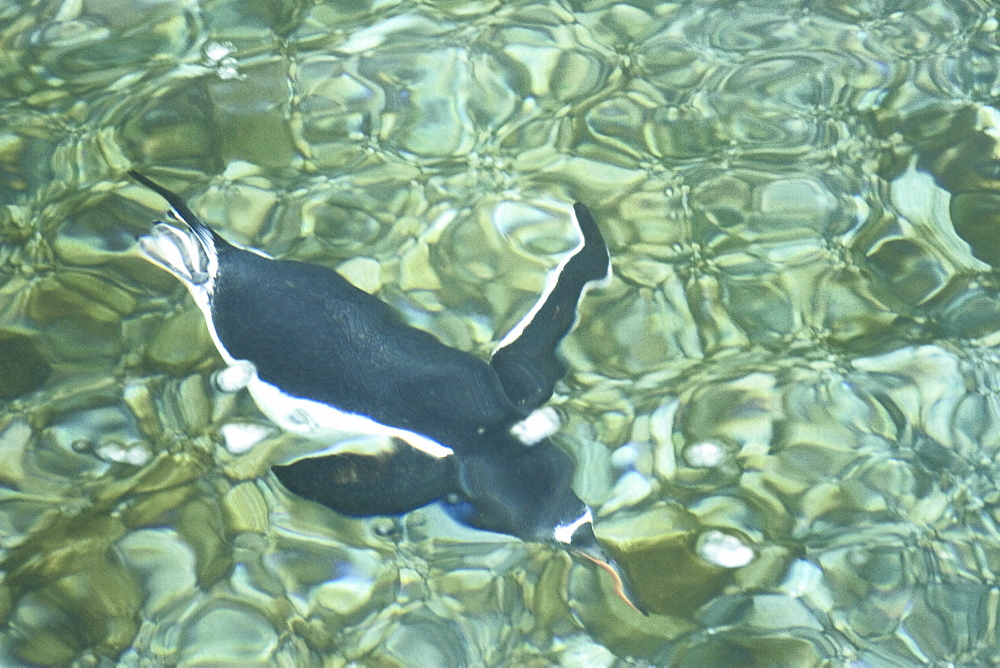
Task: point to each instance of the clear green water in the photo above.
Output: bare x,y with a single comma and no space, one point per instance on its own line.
797,354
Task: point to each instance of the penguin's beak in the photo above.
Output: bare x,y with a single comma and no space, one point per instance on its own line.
584,543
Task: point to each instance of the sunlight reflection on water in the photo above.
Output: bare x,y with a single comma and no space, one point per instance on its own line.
796,358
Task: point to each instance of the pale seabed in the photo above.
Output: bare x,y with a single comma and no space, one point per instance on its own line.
784,408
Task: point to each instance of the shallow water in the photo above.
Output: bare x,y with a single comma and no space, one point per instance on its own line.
784,408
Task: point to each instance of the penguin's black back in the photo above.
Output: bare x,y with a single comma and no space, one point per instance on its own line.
314,335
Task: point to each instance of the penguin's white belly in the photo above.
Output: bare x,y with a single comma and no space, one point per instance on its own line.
320,422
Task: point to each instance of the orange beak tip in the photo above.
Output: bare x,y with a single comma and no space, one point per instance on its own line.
619,583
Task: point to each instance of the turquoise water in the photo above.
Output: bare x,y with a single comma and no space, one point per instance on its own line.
783,409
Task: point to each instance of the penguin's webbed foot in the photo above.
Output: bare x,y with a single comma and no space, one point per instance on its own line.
180,252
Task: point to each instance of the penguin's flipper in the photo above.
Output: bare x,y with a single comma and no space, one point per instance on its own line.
525,360
368,485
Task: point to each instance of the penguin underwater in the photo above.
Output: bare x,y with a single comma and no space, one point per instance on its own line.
325,359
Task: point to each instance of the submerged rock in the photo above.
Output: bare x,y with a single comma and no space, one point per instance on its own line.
22,367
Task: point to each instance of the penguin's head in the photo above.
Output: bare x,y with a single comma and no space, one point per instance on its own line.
530,496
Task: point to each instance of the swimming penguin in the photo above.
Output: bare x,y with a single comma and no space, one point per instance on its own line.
325,359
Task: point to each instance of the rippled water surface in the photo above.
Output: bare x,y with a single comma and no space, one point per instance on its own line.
784,408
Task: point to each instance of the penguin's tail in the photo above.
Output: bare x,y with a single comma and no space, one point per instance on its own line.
179,210
189,251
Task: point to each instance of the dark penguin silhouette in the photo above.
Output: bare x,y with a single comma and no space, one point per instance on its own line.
323,358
